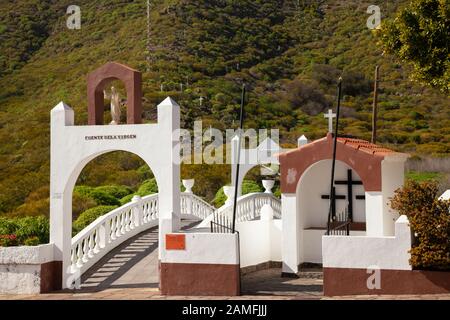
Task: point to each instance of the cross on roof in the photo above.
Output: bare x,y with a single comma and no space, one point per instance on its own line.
330,115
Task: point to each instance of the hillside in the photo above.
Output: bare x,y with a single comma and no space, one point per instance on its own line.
290,53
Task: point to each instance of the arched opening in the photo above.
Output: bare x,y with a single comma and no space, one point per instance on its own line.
98,81
110,183
313,204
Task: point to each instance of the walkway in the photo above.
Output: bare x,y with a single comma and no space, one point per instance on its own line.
133,264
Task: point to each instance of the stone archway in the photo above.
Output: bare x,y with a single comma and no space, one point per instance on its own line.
72,147
97,81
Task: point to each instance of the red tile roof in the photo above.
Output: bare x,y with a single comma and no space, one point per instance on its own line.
365,146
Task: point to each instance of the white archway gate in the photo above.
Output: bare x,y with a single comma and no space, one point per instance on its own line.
72,147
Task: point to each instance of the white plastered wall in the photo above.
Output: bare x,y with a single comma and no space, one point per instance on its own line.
71,151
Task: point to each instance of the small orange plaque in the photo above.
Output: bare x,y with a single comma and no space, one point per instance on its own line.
175,242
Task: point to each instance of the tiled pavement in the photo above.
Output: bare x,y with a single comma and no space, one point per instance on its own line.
130,272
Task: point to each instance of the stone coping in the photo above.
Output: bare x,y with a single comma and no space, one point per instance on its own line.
27,254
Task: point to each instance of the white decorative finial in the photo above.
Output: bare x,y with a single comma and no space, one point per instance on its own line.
330,115
188,184
302,141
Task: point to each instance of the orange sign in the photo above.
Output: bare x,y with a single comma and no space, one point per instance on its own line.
175,242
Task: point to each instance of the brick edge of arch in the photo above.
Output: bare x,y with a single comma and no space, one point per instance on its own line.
293,164
97,81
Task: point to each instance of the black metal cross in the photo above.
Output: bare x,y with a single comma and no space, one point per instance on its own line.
334,197
350,183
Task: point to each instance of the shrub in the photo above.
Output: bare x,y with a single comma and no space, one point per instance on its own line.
430,221
117,192
148,187
16,231
102,195
90,215
32,241
126,199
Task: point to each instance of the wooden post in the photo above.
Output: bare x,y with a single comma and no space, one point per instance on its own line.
375,106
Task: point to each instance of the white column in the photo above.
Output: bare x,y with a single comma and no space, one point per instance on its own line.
290,233
60,196
168,174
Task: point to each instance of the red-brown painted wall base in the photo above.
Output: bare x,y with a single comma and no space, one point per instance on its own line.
199,279
343,281
51,276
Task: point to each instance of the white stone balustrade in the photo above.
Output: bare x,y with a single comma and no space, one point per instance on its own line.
113,228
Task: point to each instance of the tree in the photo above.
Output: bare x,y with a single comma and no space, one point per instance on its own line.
419,35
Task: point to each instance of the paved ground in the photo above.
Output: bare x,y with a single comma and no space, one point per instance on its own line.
131,272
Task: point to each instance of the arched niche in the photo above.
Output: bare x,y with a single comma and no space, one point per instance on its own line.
100,78
314,183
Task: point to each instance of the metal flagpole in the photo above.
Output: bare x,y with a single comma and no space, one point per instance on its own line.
241,122
333,163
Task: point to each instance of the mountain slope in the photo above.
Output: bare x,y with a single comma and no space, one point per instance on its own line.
290,53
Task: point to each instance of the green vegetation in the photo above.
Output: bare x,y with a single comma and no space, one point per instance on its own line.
420,35
423,176
89,216
23,231
430,221
290,54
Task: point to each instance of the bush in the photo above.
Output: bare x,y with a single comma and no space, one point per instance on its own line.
104,195
32,241
148,187
90,215
117,192
17,231
430,221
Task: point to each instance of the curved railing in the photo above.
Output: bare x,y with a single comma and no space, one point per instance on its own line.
111,229
248,208
193,206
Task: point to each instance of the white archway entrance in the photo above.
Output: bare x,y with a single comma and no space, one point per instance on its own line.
72,147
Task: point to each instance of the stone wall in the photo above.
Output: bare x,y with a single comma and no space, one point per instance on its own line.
29,270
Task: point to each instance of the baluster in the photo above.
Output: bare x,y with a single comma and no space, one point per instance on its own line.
85,257
73,259
79,255
126,222
122,223
118,226
97,241
113,229
91,245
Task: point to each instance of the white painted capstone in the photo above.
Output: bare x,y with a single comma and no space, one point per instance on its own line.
20,268
385,252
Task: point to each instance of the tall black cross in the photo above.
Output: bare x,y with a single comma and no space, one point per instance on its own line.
334,197
350,183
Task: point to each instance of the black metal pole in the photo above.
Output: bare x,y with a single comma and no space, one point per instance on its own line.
333,163
241,125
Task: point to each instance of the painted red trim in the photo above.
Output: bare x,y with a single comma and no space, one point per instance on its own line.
194,279
293,164
344,281
97,81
